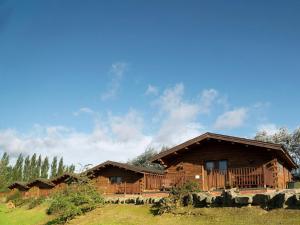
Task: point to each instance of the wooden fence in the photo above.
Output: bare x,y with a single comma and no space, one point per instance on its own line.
245,177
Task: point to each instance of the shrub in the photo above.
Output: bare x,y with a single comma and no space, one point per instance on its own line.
75,200
179,196
17,199
34,202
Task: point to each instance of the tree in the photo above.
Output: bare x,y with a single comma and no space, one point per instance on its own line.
54,167
70,169
26,170
37,171
61,167
144,160
33,164
5,172
45,168
290,140
17,171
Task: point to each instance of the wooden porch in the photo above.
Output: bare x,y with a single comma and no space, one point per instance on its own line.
265,176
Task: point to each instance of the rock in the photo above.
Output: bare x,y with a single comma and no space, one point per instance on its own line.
243,200
10,205
262,199
283,199
200,199
210,200
228,196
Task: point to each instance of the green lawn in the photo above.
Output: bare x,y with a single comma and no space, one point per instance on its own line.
140,215
23,216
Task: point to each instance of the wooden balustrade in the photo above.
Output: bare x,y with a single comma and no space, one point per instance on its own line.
244,177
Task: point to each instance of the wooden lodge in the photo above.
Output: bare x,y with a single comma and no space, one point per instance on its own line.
39,187
121,178
61,182
18,186
217,161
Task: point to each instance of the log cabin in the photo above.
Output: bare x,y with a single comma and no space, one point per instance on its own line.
217,161
18,186
39,187
61,182
121,178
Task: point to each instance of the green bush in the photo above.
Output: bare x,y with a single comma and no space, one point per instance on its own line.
17,199
179,196
34,202
73,201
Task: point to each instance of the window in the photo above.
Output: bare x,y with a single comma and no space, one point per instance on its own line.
216,164
223,165
210,165
115,180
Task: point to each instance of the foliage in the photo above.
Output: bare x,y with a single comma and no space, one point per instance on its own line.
34,202
45,168
144,160
5,172
179,196
75,200
53,167
290,140
26,169
17,199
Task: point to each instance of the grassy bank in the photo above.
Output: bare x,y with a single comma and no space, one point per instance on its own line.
23,216
137,215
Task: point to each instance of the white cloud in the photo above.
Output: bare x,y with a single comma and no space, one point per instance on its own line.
82,110
116,73
120,139
270,128
231,119
151,90
207,99
178,117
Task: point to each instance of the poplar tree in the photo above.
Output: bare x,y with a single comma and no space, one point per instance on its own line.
38,167
61,168
54,167
33,167
17,171
26,170
45,168
5,170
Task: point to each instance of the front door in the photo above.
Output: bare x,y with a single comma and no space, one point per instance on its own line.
216,173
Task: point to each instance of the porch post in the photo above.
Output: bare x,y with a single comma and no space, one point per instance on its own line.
202,177
264,175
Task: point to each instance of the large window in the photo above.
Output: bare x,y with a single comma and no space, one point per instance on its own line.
216,164
115,180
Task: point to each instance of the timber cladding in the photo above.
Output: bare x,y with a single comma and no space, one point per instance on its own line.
103,178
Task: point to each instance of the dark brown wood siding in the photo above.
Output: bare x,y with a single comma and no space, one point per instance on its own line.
129,177
192,160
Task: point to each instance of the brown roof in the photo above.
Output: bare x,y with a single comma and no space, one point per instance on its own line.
63,177
41,180
221,137
18,184
125,166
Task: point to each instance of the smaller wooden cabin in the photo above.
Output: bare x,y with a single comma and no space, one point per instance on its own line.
62,181
39,187
121,178
18,186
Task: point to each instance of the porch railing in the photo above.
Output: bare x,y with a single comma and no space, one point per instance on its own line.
245,177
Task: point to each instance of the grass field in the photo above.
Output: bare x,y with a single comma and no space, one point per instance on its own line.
23,216
140,215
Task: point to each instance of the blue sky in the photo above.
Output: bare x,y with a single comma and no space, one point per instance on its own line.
113,77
